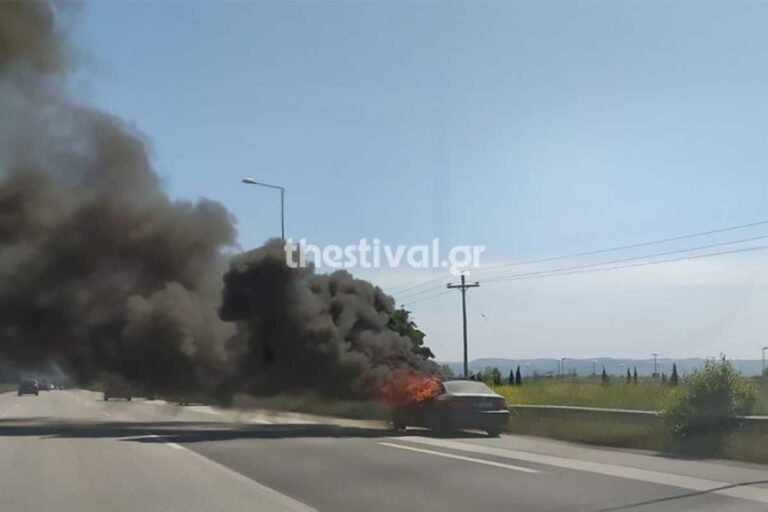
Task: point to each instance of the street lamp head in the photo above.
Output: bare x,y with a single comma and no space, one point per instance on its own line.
250,181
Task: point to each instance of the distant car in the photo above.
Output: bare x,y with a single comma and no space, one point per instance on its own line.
460,404
43,385
28,386
192,399
116,388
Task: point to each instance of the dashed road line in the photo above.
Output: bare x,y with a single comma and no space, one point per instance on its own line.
745,492
269,496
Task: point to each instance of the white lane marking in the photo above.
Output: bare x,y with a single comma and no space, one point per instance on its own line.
284,501
461,457
745,492
206,411
106,414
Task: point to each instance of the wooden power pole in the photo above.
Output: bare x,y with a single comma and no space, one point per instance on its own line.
464,287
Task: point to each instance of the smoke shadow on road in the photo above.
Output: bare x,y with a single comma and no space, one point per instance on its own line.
183,432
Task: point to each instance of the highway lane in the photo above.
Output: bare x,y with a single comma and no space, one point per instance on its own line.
69,450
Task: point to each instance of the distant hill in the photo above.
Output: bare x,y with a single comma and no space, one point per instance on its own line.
614,366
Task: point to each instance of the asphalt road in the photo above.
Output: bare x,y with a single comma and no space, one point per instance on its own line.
70,451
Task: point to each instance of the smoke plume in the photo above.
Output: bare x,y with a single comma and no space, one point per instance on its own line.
102,273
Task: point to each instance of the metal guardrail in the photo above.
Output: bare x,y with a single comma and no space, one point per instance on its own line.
577,408
580,408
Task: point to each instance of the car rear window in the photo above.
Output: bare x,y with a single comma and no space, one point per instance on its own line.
466,386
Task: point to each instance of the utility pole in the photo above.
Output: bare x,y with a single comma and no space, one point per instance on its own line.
463,287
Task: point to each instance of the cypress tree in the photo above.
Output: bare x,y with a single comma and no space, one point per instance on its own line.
634,375
518,377
674,379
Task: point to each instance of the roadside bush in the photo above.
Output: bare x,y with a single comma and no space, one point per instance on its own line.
704,410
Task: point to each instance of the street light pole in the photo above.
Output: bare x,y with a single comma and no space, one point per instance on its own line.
562,366
655,365
251,181
762,374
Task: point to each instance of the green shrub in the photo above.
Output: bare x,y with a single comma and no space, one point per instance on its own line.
704,410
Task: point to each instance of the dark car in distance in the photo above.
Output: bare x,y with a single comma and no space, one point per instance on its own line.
117,388
460,404
28,386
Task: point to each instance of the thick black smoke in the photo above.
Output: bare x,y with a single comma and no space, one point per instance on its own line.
100,272
300,330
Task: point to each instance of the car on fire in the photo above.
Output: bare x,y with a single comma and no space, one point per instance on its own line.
459,404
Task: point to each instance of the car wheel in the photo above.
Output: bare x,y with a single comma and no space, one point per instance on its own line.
439,425
129,399
106,398
493,432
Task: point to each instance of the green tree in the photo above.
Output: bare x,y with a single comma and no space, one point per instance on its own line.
629,376
634,375
707,406
518,377
400,321
492,375
511,377
674,379
604,378
446,371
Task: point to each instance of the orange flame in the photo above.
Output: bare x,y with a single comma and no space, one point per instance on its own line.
409,388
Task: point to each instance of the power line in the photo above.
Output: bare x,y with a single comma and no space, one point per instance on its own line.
441,278
560,272
624,247
624,260
416,293
592,253
642,264
443,292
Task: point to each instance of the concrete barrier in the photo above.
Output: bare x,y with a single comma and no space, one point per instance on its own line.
626,428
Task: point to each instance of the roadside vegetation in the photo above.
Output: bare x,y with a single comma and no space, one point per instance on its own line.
646,395
643,394
701,414
708,408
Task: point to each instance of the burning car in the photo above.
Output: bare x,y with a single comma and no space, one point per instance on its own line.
455,404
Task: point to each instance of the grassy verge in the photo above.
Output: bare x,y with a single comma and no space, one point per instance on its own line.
646,395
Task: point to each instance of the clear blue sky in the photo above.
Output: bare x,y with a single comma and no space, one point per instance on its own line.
534,128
